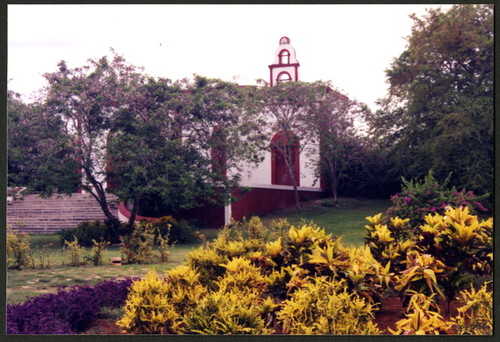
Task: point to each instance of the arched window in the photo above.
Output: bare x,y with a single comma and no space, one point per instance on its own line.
284,57
284,40
284,77
284,155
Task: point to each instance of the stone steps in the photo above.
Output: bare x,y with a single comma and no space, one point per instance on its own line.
36,215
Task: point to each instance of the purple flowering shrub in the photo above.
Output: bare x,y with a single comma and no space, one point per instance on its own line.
417,199
67,312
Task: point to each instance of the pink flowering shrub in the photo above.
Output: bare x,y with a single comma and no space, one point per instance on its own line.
420,198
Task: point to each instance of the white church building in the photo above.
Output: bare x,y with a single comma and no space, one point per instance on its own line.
270,182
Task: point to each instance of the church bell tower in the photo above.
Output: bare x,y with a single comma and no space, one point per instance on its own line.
286,66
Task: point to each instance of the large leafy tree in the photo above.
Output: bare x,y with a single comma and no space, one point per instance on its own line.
87,99
224,123
164,142
38,156
149,166
342,146
439,111
159,138
287,109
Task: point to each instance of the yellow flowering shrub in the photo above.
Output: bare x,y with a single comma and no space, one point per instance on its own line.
240,274
325,306
460,240
475,316
207,262
228,311
148,309
422,275
422,318
308,282
183,288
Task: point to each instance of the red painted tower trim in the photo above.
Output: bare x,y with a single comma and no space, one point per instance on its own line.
285,42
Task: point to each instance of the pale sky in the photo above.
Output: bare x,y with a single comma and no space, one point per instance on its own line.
349,45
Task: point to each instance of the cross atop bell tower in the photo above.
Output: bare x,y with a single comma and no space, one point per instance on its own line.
286,66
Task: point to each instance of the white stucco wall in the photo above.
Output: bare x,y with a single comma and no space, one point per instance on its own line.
261,175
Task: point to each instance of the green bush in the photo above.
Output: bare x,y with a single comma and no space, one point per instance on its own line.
137,247
328,203
98,252
182,232
87,231
75,252
177,231
18,250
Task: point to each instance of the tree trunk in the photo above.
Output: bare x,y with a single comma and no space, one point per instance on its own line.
295,190
101,199
334,178
99,194
133,214
335,185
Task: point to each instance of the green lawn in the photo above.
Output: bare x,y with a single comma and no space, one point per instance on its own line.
33,282
346,220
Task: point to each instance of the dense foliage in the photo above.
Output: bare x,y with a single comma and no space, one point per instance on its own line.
177,231
439,258
38,155
150,141
87,231
327,307
235,284
277,278
111,125
418,198
438,113
341,145
255,279
70,311
163,142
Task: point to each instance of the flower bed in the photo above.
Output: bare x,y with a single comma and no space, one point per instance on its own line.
70,311
280,279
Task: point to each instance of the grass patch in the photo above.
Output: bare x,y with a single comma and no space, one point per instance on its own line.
346,220
33,282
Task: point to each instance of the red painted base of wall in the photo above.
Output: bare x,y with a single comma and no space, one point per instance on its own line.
262,201
125,212
256,202
210,215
